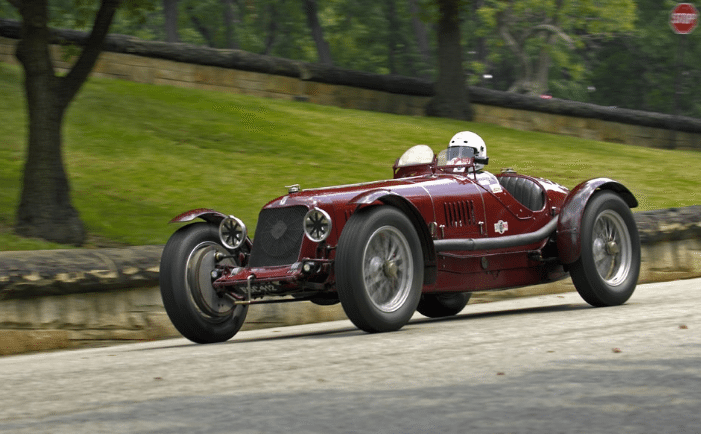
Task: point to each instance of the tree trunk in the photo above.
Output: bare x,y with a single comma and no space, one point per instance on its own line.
534,72
390,10
542,70
229,24
170,15
421,36
271,36
201,28
45,208
451,99
322,47
517,47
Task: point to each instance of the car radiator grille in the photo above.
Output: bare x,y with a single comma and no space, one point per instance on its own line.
278,236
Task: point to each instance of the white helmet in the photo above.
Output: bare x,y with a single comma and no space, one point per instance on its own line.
470,140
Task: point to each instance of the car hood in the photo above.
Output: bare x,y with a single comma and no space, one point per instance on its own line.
361,192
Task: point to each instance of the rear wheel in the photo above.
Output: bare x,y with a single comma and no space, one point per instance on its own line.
379,269
196,310
607,270
440,305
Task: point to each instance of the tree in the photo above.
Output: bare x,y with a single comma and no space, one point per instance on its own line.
45,209
201,26
540,33
451,98
322,46
372,36
229,22
390,12
170,13
217,33
421,35
638,70
272,28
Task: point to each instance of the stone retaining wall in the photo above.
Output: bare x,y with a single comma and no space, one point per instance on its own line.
67,298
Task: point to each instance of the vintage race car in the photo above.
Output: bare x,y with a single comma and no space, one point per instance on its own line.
442,228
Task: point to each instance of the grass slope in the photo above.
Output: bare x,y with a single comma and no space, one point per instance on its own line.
137,155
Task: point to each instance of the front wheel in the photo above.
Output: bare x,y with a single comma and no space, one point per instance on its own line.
194,307
606,272
379,269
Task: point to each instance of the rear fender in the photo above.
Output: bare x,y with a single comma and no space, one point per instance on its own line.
569,244
387,197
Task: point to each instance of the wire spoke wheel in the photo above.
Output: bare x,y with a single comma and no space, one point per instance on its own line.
379,269
611,248
198,270
387,269
606,272
195,308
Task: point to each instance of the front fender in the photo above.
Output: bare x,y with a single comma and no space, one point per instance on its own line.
387,197
208,215
369,197
569,244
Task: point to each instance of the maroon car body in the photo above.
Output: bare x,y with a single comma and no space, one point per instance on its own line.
424,239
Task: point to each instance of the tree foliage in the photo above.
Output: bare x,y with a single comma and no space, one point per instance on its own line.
640,70
542,35
619,52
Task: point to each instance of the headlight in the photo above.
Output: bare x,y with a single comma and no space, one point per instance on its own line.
232,232
317,225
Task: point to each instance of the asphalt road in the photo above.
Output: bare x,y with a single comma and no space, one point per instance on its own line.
536,365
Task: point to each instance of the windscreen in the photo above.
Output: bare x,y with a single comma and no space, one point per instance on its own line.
455,155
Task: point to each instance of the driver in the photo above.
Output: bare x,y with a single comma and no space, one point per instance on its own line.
465,145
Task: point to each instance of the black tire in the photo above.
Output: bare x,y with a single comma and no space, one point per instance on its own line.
607,270
191,302
441,305
379,269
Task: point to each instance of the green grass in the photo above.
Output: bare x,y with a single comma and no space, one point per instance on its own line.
137,155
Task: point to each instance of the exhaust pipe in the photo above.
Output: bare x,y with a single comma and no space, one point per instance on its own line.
496,243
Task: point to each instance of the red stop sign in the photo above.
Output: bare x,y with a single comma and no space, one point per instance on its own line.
683,18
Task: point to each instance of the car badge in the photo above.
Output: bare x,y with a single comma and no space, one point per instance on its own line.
278,229
501,226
